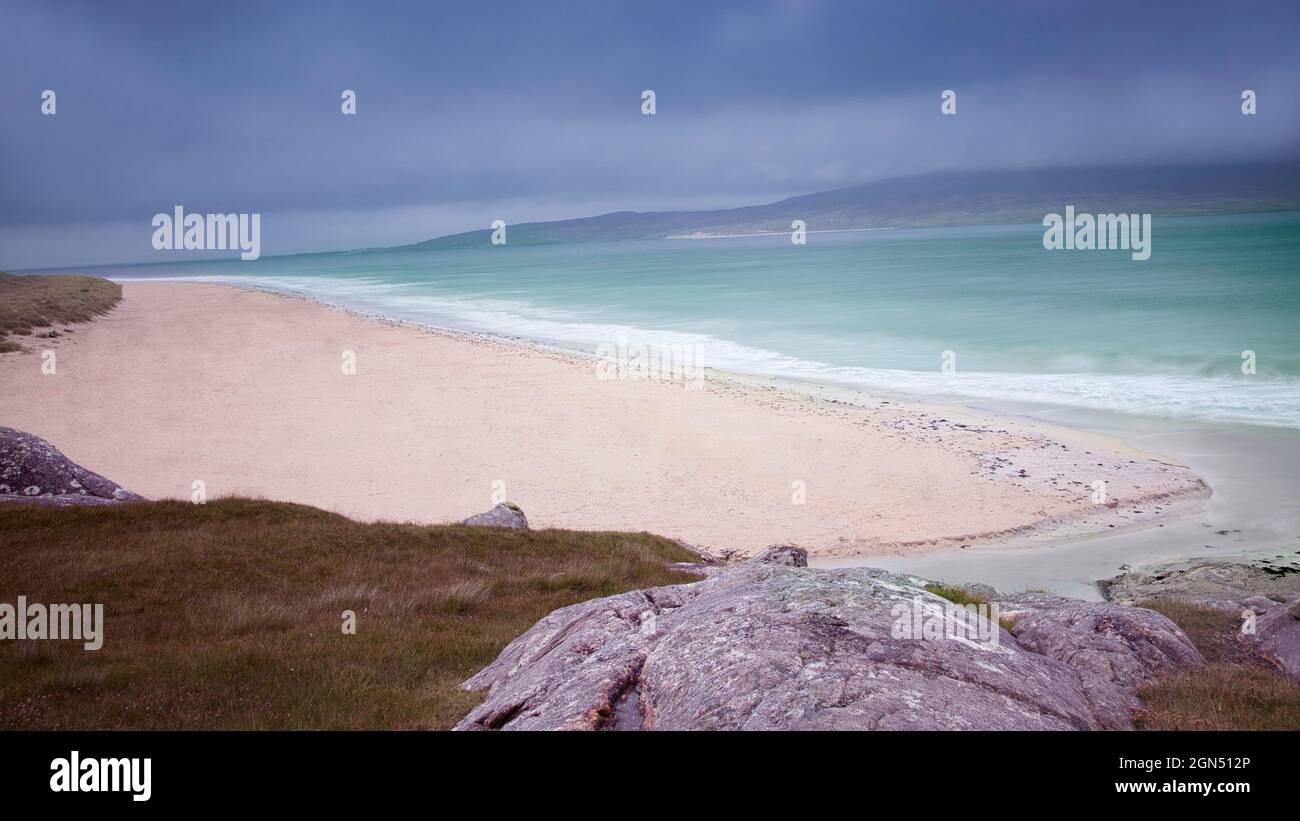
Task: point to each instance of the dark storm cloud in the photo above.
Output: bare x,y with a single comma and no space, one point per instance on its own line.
531,110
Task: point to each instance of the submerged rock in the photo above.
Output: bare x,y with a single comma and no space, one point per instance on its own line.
34,471
765,645
503,515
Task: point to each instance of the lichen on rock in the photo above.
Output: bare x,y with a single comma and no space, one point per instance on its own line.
33,471
771,644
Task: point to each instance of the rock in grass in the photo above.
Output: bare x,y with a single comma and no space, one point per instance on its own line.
505,514
771,645
1277,638
34,471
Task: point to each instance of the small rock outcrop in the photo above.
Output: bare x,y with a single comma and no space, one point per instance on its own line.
503,515
786,555
1220,584
33,471
776,645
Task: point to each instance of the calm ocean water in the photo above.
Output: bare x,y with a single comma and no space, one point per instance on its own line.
877,310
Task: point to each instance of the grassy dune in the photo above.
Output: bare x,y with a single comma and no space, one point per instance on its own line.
229,614
31,302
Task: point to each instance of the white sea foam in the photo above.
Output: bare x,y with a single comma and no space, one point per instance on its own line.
1259,399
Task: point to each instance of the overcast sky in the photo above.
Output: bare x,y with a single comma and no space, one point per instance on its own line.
470,112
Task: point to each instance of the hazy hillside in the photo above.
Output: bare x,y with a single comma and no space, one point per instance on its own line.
965,198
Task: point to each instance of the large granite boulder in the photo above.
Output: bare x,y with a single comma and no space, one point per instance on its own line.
773,646
34,471
503,515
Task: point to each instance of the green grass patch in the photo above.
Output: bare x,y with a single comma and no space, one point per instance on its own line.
956,595
963,597
229,615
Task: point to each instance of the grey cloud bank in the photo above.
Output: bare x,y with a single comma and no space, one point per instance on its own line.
527,113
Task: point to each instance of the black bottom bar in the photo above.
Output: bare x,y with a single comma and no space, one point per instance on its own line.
332,770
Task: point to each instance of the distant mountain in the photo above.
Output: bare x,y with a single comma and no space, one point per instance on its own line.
958,198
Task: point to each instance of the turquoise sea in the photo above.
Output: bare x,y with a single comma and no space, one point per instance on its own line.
877,310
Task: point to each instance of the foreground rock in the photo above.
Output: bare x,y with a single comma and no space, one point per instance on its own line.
33,471
781,646
1263,593
503,515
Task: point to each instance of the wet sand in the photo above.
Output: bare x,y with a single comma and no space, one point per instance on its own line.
1253,512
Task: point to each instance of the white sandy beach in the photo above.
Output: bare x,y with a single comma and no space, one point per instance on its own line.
245,391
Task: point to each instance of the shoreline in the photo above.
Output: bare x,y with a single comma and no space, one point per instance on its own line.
1070,527
900,489
1252,515
805,388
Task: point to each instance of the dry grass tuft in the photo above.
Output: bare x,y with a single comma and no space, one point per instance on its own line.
31,302
1221,697
1235,691
1213,631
